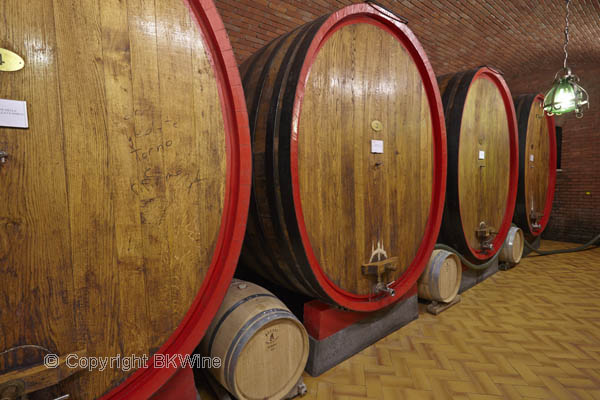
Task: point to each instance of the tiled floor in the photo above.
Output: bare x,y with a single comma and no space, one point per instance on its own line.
527,333
530,332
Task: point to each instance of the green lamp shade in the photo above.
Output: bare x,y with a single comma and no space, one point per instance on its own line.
561,98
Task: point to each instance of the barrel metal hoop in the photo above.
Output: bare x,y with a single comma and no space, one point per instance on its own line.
512,234
253,106
434,275
494,69
245,334
295,251
232,309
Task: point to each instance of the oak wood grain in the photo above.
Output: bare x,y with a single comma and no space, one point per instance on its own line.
537,162
114,195
483,183
264,348
353,201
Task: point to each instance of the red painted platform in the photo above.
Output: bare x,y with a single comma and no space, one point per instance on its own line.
322,320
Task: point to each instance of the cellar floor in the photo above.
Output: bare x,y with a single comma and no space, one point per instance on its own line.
530,332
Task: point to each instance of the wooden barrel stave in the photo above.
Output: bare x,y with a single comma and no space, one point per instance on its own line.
256,74
130,232
537,178
276,241
496,194
263,347
264,232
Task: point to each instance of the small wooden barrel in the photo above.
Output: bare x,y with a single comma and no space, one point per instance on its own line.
482,162
512,251
349,158
124,203
537,165
262,346
441,279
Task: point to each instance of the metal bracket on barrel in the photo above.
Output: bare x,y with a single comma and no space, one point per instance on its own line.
379,269
485,234
3,158
15,385
535,218
382,9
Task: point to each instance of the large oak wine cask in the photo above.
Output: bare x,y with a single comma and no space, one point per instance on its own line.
441,279
348,148
262,346
123,205
482,162
537,165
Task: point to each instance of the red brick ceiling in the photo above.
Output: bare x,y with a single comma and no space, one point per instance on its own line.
516,36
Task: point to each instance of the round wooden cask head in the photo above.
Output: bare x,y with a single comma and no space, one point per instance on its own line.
537,169
441,278
367,155
512,251
126,198
450,274
517,246
483,161
263,347
272,361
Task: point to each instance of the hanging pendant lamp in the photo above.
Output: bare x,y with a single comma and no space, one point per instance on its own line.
566,95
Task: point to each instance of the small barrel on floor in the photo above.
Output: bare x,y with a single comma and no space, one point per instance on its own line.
262,346
441,279
512,251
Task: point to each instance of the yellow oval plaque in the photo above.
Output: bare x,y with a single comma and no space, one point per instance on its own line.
10,62
377,125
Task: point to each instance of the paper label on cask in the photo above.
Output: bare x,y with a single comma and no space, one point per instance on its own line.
481,155
377,146
531,158
13,114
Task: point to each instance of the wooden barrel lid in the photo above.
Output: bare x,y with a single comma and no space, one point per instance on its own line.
450,275
482,160
537,164
349,147
272,360
517,246
125,201
512,251
262,345
359,206
441,279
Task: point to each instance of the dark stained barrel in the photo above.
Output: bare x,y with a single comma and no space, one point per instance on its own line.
349,158
482,162
124,203
537,165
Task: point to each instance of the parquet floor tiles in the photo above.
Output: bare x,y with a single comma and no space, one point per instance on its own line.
532,332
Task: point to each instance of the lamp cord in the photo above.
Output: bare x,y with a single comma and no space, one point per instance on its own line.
566,35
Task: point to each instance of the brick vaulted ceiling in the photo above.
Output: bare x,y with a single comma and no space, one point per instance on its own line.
516,36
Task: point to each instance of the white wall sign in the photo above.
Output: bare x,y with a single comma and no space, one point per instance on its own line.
377,146
13,114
